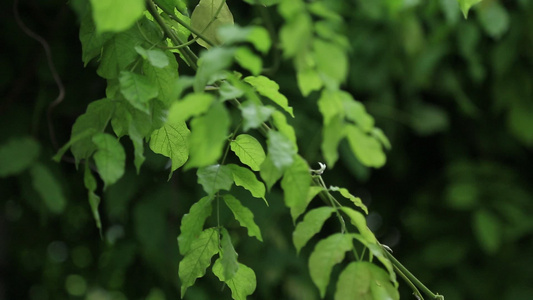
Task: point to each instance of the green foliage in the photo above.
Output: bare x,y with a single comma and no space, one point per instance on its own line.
420,70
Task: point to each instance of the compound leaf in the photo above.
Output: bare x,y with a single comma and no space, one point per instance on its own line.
270,89
228,256
248,150
246,178
172,141
110,158
364,280
214,178
296,182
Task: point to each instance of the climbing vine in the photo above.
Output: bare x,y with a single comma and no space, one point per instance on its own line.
231,123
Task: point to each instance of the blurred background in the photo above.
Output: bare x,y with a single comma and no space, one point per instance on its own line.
454,201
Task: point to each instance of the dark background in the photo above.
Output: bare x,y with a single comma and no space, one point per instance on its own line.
454,200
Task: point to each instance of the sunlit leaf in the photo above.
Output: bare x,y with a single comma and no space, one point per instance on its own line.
209,133
110,158
346,194
332,132
214,178
299,208
165,79
117,15
296,34
210,65
269,172
356,112
308,81
281,150
192,223
466,5
156,57
228,256
254,114
247,59
327,253
193,104
17,155
137,89
269,89
331,60
91,41
296,182
280,121
246,178
256,35
248,150
196,261
243,282
172,141
366,148
364,280
46,184
94,120
243,215
311,225
208,16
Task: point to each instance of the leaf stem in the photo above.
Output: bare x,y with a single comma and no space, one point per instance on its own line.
411,278
188,55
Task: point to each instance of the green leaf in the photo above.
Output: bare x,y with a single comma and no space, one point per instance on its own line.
17,155
494,18
254,114
356,112
137,89
269,89
281,150
165,79
117,15
381,137
247,59
346,194
366,148
229,91
228,256
243,282
487,228
110,158
172,141
94,120
155,57
193,104
331,105
377,250
196,261
300,207
243,215
248,150
125,114
359,221
208,17
94,200
167,6
296,34
257,35
332,132
209,133
364,280
296,182
192,223
327,253
214,178
466,5
280,121
269,172
210,65
118,53
91,41
308,81
48,188
246,178
138,145
263,2
331,60
311,225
